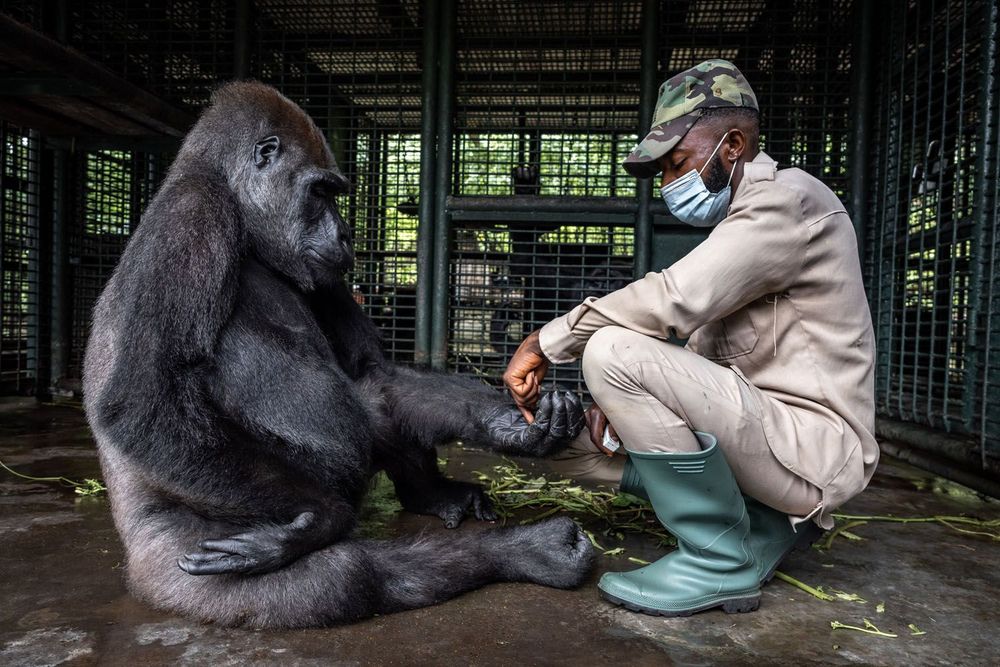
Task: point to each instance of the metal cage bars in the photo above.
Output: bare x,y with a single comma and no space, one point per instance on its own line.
383,92
504,261
930,246
19,258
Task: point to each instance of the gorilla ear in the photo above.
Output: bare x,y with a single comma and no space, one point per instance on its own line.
264,150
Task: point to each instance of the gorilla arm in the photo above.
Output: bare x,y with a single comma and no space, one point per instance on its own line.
420,410
295,407
434,408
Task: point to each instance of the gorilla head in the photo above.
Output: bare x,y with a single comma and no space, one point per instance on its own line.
284,178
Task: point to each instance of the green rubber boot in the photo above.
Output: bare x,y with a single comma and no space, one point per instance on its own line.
696,498
631,482
772,537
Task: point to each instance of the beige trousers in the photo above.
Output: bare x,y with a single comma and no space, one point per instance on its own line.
656,393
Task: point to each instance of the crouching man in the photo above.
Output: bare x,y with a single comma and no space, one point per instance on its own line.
752,433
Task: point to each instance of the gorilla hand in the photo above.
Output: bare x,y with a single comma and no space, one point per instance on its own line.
257,551
558,420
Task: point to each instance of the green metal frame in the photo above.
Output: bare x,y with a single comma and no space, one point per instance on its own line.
647,103
428,174
442,184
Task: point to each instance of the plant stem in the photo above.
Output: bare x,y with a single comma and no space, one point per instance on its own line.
815,592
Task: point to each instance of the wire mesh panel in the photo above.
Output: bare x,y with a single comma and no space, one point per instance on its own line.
353,66
507,279
797,58
921,236
33,14
547,99
180,49
19,192
989,394
113,190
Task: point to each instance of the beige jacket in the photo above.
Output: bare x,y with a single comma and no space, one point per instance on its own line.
775,292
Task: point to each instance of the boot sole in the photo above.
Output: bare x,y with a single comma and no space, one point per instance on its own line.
733,606
803,543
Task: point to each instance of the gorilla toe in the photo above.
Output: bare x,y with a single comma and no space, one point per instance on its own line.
452,501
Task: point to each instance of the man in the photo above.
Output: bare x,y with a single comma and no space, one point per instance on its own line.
762,424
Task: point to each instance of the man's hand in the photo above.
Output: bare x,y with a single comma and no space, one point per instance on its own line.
597,421
524,375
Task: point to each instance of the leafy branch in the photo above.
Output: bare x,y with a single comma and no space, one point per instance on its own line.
88,487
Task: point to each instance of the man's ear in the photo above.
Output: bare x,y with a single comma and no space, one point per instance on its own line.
737,144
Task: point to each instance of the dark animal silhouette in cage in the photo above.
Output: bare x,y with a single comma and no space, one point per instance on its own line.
526,180
551,280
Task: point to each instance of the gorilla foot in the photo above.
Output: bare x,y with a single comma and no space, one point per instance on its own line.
452,501
553,553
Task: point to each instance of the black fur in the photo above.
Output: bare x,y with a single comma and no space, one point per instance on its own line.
241,401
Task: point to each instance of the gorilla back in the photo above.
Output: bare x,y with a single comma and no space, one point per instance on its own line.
241,402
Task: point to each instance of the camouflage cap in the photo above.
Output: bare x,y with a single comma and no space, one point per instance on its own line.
713,83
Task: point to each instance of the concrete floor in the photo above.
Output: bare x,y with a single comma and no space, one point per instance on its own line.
64,601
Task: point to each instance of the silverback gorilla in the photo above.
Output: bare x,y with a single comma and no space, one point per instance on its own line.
241,402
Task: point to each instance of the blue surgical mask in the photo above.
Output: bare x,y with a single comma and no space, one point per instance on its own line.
690,200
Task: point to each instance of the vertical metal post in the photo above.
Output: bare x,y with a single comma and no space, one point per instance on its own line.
3,212
61,317
43,302
374,182
647,102
862,62
428,193
241,43
442,186
982,215
36,319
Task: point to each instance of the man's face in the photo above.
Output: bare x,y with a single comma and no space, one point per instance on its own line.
692,152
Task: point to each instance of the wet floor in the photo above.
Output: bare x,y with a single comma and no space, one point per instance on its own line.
64,602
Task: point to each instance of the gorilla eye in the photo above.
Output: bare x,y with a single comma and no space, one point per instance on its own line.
265,149
323,190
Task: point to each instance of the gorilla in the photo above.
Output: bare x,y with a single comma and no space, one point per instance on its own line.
241,402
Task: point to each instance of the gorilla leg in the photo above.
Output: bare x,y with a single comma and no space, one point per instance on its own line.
418,411
422,489
342,582
352,579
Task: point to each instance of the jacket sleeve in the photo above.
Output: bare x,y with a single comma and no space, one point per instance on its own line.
758,249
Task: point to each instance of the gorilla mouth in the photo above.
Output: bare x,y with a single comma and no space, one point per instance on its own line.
347,249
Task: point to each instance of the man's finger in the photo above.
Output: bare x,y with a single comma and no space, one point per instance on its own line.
526,413
520,389
607,452
597,424
533,389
